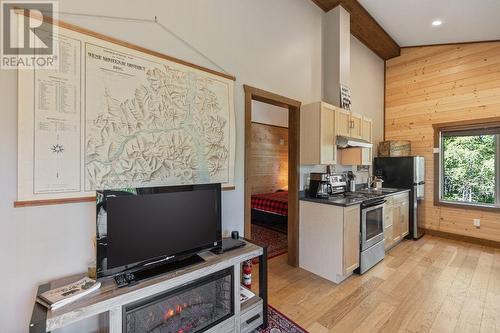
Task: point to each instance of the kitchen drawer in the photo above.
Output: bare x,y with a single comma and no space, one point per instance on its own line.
251,318
397,199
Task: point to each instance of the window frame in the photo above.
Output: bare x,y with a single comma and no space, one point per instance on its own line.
472,125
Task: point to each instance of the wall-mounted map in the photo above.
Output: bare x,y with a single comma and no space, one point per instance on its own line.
113,117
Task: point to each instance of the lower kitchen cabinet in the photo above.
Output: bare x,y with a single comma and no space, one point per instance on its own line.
351,239
329,239
396,219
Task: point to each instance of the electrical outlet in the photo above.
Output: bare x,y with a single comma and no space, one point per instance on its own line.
477,223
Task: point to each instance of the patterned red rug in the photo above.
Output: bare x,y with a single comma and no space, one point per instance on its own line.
279,323
276,242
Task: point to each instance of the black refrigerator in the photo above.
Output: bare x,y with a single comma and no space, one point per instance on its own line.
405,172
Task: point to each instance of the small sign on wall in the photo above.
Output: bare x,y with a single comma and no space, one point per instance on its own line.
345,97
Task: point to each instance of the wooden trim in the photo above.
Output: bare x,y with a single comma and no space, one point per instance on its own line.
457,125
451,43
466,206
463,238
264,124
467,124
270,98
365,28
98,35
48,202
293,107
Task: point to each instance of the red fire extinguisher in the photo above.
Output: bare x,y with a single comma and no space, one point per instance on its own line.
247,274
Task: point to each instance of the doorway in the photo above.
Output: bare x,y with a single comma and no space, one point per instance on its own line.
292,165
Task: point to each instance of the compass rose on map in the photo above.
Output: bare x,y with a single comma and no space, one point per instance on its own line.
57,148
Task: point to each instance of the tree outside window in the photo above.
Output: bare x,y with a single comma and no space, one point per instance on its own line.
468,168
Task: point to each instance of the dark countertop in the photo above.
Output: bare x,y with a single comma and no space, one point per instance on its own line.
350,199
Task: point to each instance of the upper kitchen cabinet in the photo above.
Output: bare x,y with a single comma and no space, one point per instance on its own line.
343,122
356,125
366,129
321,123
352,125
317,134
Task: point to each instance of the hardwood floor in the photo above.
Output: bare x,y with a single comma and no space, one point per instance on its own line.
430,285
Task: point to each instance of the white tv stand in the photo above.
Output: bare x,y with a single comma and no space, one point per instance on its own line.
109,299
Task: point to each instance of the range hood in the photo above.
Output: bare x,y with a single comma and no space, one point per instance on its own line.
344,142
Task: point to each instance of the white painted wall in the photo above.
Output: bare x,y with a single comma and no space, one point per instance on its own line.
269,114
367,87
273,45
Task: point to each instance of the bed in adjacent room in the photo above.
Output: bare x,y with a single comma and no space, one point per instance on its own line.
270,210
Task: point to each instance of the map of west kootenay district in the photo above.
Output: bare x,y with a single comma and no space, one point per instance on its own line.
150,122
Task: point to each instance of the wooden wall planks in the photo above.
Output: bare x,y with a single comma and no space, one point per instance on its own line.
269,158
438,84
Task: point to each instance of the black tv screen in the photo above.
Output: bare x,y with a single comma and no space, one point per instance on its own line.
139,227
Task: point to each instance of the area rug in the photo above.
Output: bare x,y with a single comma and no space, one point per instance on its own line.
276,242
279,323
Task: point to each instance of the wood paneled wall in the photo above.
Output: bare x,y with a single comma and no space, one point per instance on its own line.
269,158
439,84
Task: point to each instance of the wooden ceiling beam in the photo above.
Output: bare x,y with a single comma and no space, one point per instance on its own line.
365,28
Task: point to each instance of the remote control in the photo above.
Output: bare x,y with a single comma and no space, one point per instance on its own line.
121,281
125,279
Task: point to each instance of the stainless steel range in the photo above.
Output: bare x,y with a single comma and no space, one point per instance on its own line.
372,234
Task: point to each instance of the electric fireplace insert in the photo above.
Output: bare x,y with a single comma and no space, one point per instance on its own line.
194,307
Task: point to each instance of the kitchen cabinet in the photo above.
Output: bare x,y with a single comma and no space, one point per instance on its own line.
321,123
405,217
396,223
355,156
329,239
356,125
351,239
343,122
317,134
396,219
388,208
367,129
350,124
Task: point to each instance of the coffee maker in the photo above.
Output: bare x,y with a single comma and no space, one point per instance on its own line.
319,185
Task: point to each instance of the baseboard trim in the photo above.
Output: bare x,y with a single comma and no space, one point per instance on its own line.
463,238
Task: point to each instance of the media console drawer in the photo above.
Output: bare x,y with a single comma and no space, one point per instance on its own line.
251,318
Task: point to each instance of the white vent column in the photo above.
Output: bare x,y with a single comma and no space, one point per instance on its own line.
336,53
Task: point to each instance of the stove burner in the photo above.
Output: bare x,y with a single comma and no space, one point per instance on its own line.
355,195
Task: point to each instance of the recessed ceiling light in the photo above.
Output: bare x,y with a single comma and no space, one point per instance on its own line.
437,23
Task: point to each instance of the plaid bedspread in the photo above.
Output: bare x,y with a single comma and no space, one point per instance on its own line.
276,202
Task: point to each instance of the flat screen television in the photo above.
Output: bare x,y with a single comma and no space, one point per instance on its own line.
144,227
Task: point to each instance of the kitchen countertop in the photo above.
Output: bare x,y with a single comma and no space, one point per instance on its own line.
350,199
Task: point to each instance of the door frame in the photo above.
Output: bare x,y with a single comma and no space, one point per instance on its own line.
293,107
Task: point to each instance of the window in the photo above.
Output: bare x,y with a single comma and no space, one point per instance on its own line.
469,166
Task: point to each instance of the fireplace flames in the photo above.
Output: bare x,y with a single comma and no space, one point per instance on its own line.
173,311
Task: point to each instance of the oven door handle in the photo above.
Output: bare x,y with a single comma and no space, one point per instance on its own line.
372,204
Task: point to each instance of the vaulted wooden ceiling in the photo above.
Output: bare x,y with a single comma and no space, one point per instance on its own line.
365,28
